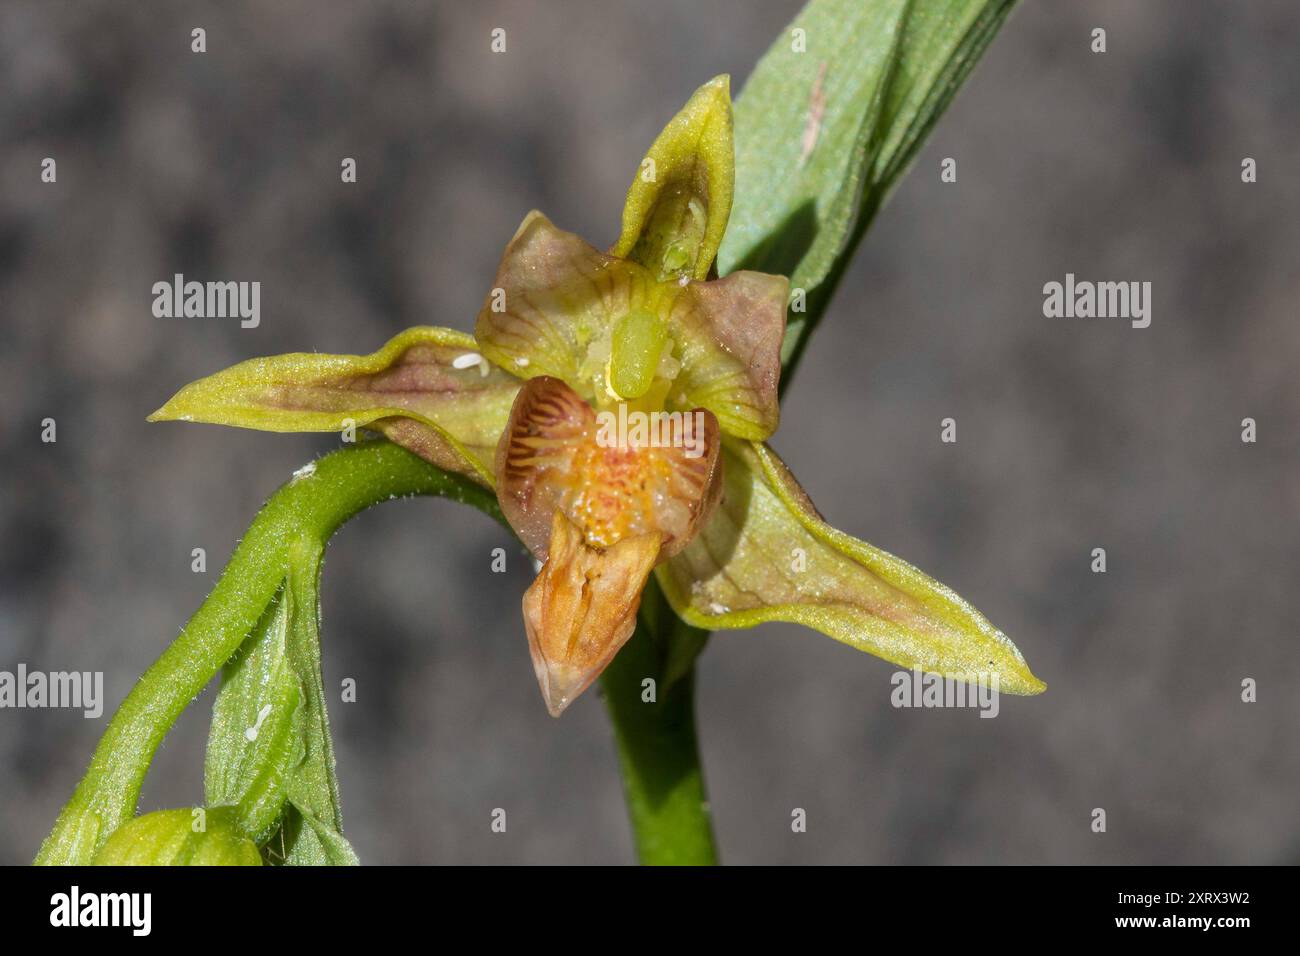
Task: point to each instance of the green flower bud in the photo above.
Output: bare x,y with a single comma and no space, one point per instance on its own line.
194,837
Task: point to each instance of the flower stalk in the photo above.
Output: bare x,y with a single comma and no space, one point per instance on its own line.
659,755
305,510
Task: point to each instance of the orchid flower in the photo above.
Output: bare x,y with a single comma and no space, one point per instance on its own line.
571,340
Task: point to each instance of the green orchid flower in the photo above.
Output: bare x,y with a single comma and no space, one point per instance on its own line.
618,404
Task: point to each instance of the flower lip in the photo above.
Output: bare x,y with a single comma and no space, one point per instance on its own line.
600,514
582,608
557,454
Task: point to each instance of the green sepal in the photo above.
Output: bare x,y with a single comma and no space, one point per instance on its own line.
677,207
767,555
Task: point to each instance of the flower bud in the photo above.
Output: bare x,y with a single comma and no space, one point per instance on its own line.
184,837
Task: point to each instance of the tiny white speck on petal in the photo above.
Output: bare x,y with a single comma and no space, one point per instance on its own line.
522,361
306,471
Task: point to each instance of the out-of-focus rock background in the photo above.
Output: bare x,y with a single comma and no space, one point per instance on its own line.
1071,434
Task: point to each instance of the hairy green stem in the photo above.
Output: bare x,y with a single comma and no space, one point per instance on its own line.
309,507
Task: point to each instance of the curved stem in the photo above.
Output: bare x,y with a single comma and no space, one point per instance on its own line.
657,746
312,506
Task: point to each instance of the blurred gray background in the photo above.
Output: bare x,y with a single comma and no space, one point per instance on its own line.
1072,434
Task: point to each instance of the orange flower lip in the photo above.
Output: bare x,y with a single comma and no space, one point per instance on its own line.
601,515
554,457
609,492
582,608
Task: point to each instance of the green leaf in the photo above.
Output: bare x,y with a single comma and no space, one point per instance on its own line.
824,134
313,785
299,777
256,736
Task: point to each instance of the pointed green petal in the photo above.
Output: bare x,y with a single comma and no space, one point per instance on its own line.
768,556
677,207
423,390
